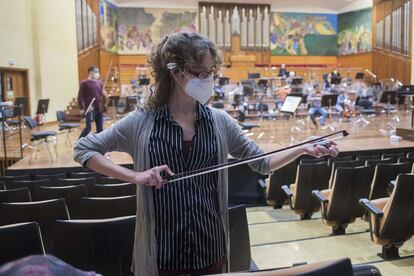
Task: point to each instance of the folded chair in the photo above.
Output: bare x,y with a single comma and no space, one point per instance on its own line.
339,205
283,176
343,164
392,219
309,177
20,240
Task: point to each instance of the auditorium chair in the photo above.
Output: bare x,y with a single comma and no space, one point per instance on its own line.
108,180
240,256
393,156
410,154
66,127
32,185
283,176
15,195
108,207
384,174
41,137
339,205
309,177
245,186
340,267
89,182
313,160
332,160
114,190
20,240
368,157
392,219
83,175
343,164
2,186
43,212
103,245
406,160
53,177
9,179
71,194
374,162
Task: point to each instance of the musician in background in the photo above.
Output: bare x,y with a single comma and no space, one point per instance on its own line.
292,75
335,74
91,88
314,100
340,102
282,71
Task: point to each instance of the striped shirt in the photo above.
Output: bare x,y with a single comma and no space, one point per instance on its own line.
188,227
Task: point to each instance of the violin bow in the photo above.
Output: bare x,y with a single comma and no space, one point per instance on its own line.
193,173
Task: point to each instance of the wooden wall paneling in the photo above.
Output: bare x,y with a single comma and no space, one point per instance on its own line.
86,59
357,60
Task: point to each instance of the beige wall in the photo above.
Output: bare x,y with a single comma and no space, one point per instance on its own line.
41,36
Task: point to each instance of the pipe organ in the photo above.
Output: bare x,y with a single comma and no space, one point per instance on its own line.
240,31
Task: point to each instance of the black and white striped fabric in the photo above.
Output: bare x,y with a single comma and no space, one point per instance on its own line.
189,231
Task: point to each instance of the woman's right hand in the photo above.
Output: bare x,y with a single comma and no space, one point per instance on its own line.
152,177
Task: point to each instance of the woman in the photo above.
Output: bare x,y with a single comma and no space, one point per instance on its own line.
182,227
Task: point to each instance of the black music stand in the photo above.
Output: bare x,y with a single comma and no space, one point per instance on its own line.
389,98
42,106
297,81
144,81
336,80
223,81
23,103
131,103
359,76
329,100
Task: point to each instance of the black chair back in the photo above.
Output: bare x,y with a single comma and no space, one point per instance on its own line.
15,195
108,207
76,175
344,164
244,186
71,194
374,162
33,186
240,256
368,157
19,241
89,182
53,177
114,190
338,159
43,212
104,246
8,180
283,176
108,180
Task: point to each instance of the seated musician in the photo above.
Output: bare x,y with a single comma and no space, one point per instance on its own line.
281,94
292,75
363,94
315,106
282,71
349,104
340,102
335,74
327,82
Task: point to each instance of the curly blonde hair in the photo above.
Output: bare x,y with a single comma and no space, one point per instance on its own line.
186,50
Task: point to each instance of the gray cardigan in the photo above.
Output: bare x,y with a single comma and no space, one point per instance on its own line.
131,135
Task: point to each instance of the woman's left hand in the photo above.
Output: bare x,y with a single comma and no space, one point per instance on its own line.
327,147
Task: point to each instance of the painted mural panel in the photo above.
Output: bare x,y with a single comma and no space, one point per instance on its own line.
355,32
108,15
303,34
140,29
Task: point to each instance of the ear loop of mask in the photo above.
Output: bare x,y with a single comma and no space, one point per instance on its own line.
175,77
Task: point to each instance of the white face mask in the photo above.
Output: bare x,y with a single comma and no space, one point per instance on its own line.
96,76
199,89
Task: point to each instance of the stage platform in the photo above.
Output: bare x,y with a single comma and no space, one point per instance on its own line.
272,134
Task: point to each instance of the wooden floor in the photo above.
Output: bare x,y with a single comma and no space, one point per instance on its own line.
278,239
271,135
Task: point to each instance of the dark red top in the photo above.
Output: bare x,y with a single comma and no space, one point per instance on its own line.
88,90
186,148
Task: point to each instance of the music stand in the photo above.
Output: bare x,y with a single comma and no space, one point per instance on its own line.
297,81
113,102
131,103
336,80
329,100
389,98
144,81
23,103
224,81
42,106
253,76
290,104
359,76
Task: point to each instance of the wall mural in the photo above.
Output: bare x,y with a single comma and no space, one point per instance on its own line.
108,15
355,32
141,28
303,34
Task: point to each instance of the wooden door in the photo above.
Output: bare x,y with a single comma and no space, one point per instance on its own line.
14,84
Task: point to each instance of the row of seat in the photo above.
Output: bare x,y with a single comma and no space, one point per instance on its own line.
101,245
